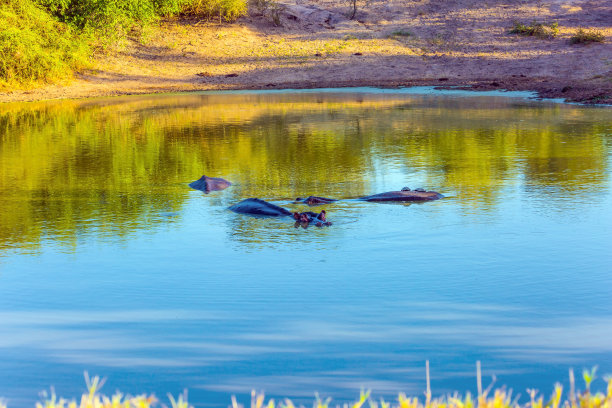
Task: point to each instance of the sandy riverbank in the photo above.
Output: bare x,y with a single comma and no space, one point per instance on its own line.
391,43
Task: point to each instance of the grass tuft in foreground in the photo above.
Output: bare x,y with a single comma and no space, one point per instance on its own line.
535,29
488,398
585,37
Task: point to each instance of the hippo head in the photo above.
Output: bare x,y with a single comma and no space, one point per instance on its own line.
305,218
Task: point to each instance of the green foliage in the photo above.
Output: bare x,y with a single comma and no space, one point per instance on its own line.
106,17
35,47
585,37
535,29
106,20
46,40
228,10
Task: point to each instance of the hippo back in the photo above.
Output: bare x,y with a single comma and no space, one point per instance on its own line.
208,184
404,196
255,206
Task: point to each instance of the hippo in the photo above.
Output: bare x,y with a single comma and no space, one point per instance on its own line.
256,206
405,194
259,207
208,184
307,217
314,200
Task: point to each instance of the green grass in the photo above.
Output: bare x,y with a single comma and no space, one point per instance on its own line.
487,398
535,29
585,37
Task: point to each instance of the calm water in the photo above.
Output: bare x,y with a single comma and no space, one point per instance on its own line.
110,263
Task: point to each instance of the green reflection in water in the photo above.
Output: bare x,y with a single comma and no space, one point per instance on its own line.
109,167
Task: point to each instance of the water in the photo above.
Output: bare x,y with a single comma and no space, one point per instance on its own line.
111,264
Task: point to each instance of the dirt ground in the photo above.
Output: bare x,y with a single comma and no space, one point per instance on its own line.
390,43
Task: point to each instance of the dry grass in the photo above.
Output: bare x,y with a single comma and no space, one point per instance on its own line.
487,398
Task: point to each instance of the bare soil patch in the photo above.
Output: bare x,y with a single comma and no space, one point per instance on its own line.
391,43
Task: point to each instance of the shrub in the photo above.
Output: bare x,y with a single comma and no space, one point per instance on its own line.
112,19
228,10
535,29
585,37
35,47
44,40
401,33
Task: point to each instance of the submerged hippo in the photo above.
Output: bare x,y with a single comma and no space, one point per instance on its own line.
208,184
314,200
256,206
307,217
405,194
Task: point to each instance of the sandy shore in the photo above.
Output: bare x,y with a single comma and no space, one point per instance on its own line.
390,43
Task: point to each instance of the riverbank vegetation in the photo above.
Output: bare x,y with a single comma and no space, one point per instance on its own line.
487,398
43,40
34,46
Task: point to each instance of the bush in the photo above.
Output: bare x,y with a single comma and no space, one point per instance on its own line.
228,10
109,16
35,47
586,37
539,30
108,19
401,33
46,40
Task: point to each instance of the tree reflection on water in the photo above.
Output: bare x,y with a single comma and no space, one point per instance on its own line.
109,167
